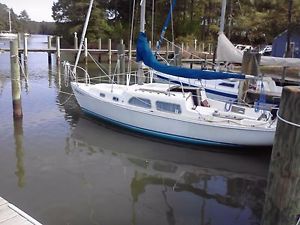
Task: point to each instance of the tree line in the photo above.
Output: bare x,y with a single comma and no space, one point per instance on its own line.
22,22
247,21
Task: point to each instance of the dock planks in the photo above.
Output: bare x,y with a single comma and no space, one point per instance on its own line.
9,216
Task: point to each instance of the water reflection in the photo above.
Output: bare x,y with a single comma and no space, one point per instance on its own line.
173,180
58,77
18,134
91,171
65,98
2,84
26,77
50,74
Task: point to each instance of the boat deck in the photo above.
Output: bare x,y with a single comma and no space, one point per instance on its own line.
11,215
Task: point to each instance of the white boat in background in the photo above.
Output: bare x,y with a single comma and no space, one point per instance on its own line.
226,52
224,89
8,34
170,111
228,89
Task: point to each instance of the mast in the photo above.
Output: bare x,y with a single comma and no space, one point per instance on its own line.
143,16
223,11
83,34
9,20
142,29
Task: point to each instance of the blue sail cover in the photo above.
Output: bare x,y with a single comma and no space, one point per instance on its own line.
145,54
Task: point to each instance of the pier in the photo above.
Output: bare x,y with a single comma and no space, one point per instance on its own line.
188,53
10,214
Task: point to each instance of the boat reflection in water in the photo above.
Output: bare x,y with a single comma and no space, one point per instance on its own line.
139,181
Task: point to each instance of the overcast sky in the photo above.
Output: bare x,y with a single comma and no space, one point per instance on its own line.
38,10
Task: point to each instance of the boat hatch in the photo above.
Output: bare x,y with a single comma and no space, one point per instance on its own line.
237,109
196,93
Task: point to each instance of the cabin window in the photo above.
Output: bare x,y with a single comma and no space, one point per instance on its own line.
140,102
168,107
102,95
227,85
116,99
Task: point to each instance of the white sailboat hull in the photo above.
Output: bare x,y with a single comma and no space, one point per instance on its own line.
166,126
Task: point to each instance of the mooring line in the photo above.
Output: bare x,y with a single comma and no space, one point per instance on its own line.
286,121
71,95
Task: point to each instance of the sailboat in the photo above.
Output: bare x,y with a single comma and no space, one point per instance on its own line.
172,111
228,89
8,34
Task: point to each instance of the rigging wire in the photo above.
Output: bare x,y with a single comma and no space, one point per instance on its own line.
152,23
165,26
172,27
131,36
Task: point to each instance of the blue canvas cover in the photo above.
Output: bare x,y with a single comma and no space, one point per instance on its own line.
145,54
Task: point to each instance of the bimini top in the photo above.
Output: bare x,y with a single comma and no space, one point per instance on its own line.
145,54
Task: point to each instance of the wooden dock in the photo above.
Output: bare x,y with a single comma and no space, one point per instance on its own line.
54,50
11,215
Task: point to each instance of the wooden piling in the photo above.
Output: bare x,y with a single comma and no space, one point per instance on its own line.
177,56
49,58
20,168
250,66
19,35
57,50
25,43
129,57
19,39
15,80
75,40
191,64
49,42
99,47
49,47
282,201
99,44
20,57
85,51
109,51
121,55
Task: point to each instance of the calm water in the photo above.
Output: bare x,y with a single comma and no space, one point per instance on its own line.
63,167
